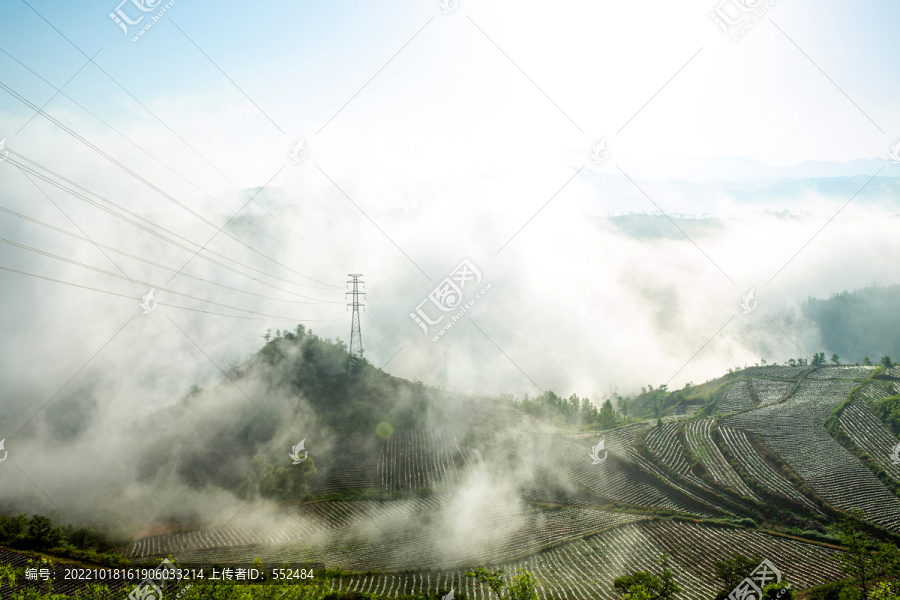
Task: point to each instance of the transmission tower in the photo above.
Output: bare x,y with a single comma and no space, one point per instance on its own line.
356,351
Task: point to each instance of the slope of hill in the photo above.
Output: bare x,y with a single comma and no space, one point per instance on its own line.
736,465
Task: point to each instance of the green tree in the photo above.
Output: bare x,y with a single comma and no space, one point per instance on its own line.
259,479
658,404
643,585
818,359
835,359
867,361
778,591
864,563
42,535
607,415
638,592
887,362
291,482
623,408
522,585
883,591
733,571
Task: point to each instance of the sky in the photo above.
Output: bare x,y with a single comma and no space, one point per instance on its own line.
430,137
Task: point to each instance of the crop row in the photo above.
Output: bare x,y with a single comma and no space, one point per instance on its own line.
737,399
453,536
664,443
842,372
874,390
701,443
769,391
572,461
685,411
585,569
344,467
740,447
870,435
305,521
782,371
421,458
794,430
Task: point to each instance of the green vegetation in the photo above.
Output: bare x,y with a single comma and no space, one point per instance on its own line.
888,411
732,571
865,562
287,482
38,534
643,585
521,586
778,591
568,412
862,321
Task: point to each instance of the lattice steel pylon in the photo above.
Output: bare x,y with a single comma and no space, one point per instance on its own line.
356,350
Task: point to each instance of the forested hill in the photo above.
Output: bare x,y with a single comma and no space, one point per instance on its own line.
858,324
296,387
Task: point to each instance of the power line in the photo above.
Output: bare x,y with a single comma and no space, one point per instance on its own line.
182,177
143,260
84,287
150,285
145,181
220,229
152,232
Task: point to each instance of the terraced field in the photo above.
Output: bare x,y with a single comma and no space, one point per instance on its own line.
585,568
445,536
876,390
782,371
737,399
575,549
740,447
571,461
769,391
345,468
421,458
664,443
702,446
794,430
842,372
870,434
684,411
